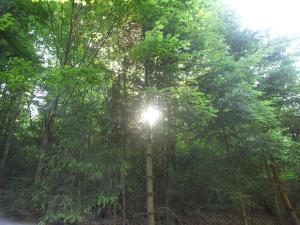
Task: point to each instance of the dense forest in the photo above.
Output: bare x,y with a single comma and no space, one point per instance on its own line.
75,76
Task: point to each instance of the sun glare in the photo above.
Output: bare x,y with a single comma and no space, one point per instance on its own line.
280,17
151,115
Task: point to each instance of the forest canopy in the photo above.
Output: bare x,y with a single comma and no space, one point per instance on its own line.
75,76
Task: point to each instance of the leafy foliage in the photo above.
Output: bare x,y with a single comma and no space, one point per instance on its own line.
74,76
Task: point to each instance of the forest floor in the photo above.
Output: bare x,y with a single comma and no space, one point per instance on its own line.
206,218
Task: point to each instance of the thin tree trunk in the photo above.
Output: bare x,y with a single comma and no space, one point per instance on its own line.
29,114
236,183
115,214
6,147
274,193
149,165
123,205
124,135
244,210
283,194
9,133
41,155
150,194
277,208
3,110
47,127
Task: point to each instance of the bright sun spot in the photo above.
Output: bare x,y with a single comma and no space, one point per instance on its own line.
151,115
280,17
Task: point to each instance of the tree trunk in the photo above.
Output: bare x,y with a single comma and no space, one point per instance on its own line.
48,124
235,180
115,214
9,133
283,194
244,211
123,203
149,169
150,194
6,147
41,156
274,193
124,123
